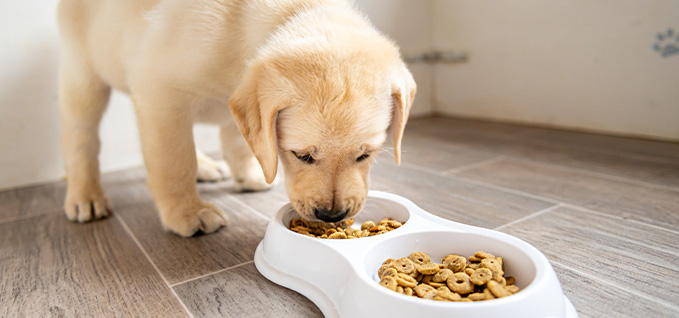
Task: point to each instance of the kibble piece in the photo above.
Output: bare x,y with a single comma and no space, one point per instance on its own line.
419,258
447,295
497,289
383,268
428,269
456,263
404,265
367,225
484,255
477,296
394,224
469,271
389,282
389,261
437,285
448,257
481,276
337,235
474,259
408,291
430,294
459,283
488,294
388,272
512,289
442,275
399,289
422,289
492,264
510,280
405,280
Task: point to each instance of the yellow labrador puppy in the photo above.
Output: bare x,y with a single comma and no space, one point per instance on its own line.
309,81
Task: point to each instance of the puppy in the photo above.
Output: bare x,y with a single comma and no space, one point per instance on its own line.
309,81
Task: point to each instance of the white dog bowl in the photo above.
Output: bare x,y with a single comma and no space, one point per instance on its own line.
340,276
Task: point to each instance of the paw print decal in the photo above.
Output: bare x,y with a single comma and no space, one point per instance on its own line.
667,43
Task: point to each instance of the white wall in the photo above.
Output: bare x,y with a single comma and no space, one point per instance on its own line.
410,25
29,116
578,64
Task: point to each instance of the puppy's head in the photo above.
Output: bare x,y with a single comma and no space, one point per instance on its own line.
326,119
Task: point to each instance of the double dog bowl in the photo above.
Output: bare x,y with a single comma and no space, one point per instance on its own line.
340,276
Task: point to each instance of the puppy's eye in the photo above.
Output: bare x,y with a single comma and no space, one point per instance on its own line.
304,157
363,157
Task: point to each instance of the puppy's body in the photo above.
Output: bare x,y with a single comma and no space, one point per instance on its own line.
304,77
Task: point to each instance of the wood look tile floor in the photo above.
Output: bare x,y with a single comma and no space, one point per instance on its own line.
603,209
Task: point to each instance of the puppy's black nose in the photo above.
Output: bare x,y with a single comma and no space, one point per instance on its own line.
330,216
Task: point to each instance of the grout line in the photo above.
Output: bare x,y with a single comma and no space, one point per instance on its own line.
630,290
504,189
530,216
529,195
134,238
480,183
210,274
253,210
602,214
474,165
597,174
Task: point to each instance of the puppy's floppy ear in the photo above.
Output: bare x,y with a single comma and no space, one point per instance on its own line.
255,113
403,90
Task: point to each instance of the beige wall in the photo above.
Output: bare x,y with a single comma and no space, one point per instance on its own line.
578,64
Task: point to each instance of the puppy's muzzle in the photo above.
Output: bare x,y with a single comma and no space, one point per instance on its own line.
330,216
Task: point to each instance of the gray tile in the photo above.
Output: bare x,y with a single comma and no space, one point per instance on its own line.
452,199
266,203
637,202
627,254
664,173
651,150
32,200
437,154
615,156
51,267
180,259
592,298
243,292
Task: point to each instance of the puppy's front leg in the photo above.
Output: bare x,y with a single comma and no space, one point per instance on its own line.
165,126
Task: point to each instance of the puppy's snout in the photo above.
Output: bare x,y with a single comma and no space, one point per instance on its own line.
330,216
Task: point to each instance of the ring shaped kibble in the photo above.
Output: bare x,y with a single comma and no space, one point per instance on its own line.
419,258
480,279
404,265
460,283
481,276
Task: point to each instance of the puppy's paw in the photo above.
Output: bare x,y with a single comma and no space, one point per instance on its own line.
252,179
204,217
87,205
210,170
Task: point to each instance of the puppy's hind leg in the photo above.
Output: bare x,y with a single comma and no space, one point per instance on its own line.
83,97
247,173
211,170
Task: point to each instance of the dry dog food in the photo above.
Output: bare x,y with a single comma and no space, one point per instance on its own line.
343,229
478,277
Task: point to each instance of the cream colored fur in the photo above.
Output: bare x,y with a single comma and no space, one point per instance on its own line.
310,77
